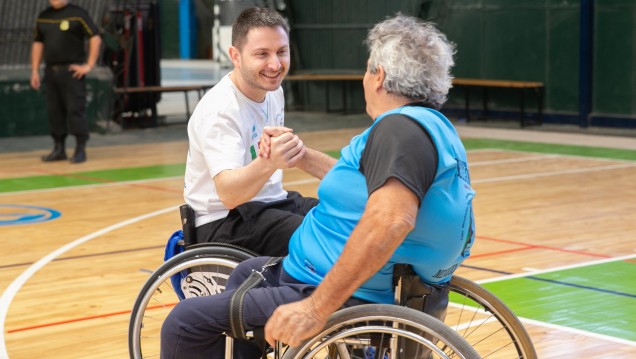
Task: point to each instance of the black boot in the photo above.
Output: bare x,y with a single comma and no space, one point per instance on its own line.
59,151
80,151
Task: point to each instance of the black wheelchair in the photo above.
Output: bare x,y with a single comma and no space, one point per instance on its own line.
476,323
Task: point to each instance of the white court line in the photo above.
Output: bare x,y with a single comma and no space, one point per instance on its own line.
557,269
625,164
14,287
463,326
553,155
472,164
608,338
559,327
517,177
554,173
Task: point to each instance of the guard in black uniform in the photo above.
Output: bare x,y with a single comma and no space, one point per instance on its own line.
60,34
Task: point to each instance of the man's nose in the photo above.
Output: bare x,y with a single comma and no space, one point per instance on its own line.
274,63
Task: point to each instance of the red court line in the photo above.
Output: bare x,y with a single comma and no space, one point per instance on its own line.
127,312
66,322
533,246
525,248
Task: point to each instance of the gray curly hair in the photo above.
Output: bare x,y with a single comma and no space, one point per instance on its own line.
415,56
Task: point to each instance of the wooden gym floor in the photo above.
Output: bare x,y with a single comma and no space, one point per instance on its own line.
555,215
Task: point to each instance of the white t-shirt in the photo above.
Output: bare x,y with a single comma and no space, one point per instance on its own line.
224,131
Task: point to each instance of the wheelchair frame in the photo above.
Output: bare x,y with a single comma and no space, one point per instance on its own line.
475,313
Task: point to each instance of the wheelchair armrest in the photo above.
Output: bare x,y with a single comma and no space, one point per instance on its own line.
188,225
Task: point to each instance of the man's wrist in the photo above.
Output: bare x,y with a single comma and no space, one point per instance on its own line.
319,310
267,163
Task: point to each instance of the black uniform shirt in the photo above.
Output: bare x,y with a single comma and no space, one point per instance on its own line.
63,31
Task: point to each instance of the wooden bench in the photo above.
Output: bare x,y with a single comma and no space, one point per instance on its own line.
121,92
521,86
484,84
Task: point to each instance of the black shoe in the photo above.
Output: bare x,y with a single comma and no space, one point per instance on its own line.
79,156
58,154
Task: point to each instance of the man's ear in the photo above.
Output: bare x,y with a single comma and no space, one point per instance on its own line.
378,77
235,56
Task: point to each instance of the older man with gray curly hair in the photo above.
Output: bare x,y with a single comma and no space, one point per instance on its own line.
416,59
400,193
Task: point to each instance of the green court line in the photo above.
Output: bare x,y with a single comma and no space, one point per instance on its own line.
40,182
138,173
172,170
91,177
598,298
600,152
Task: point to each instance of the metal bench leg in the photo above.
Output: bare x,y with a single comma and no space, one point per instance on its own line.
485,103
344,96
187,105
467,100
539,105
327,95
521,104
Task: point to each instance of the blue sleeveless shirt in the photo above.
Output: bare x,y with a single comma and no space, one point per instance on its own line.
444,229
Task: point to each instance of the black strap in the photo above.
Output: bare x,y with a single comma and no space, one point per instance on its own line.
237,328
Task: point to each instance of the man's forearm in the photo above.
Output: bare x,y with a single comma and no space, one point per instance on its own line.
240,185
36,55
316,163
389,217
93,50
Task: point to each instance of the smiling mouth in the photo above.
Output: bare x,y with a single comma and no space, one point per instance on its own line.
273,76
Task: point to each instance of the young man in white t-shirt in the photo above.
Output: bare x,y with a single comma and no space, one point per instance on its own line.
237,196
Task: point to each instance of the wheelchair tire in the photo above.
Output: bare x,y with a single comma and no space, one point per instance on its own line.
486,322
157,296
352,332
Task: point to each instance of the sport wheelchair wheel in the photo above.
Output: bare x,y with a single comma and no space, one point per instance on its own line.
383,331
198,272
486,322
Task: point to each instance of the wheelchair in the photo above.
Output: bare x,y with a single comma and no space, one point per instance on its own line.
477,324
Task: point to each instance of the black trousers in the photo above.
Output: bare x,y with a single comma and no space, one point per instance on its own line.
264,228
66,103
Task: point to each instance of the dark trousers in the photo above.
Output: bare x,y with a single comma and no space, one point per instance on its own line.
264,228
66,103
194,328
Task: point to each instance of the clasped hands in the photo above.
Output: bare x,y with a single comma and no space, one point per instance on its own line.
281,147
